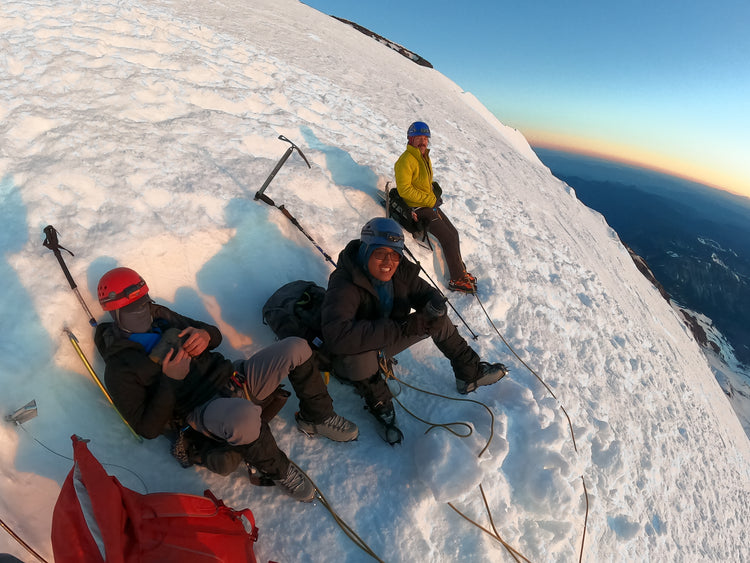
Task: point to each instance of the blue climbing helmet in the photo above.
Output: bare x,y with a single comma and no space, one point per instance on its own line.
382,231
418,128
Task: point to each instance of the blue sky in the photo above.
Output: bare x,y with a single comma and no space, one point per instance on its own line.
665,84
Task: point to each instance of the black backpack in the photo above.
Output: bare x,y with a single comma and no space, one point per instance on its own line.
294,310
401,212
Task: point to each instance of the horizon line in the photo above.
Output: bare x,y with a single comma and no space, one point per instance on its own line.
541,140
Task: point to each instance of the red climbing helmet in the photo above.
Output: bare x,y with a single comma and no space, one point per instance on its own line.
120,287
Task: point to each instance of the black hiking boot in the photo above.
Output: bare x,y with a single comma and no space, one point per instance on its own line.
184,449
379,402
374,390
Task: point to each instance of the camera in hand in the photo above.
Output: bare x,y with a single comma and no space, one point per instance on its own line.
170,340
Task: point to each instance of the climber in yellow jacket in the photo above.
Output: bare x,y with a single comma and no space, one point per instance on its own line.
413,171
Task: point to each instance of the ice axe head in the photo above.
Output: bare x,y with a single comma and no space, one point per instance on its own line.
26,412
295,147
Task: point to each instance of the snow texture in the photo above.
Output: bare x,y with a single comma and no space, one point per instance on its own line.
142,129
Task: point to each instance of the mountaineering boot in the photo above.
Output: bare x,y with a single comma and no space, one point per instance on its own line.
335,428
258,478
465,284
296,485
184,449
265,455
374,390
193,448
488,374
387,428
378,398
464,360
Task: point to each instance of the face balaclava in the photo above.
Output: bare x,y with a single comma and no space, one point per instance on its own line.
134,318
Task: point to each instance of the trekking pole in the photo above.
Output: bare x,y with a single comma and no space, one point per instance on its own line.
77,347
51,242
473,334
279,164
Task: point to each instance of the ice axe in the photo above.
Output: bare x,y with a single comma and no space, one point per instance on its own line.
26,412
284,157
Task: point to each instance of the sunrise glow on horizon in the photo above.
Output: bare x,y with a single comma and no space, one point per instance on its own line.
641,158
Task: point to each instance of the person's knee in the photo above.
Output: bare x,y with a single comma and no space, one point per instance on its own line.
296,350
241,424
357,367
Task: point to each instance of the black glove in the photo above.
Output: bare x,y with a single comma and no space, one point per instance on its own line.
435,307
438,191
414,325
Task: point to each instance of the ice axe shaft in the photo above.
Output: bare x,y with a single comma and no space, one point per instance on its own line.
280,163
77,347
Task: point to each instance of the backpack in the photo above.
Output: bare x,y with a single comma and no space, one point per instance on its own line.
97,519
401,213
294,310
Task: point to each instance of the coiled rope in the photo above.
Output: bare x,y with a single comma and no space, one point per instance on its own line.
517,556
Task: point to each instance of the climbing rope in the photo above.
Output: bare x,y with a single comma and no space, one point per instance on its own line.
388,371
562,408
446,426
350,533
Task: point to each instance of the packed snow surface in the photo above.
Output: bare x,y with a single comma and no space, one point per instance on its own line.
142,129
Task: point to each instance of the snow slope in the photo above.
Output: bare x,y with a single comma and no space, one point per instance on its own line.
141,131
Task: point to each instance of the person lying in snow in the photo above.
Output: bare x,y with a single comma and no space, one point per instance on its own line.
413,171
163,374
366,318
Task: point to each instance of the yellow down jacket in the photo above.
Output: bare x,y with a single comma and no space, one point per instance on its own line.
414,178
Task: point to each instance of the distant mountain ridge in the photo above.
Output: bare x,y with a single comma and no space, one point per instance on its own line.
695,240
400,49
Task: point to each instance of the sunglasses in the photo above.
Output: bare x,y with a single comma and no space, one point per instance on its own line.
382,253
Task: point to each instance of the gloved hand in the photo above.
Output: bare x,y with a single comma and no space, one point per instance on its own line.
438,191
435,307
414,325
